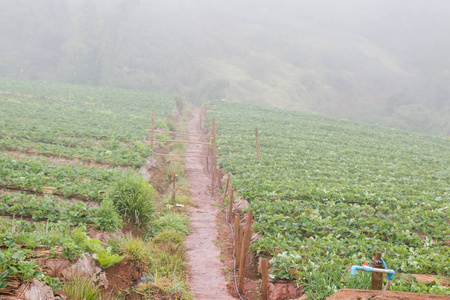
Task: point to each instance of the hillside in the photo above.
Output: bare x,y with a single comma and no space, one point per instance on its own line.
375,62
327,194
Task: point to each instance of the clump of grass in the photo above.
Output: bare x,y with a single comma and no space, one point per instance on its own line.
169,236
175,166
179,199
177,148
175,221
167,262
135,248
81,288
108,218
133,198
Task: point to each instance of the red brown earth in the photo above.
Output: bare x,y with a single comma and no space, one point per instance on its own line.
347,294
206,279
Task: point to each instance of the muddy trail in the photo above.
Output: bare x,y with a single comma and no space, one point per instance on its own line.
206,278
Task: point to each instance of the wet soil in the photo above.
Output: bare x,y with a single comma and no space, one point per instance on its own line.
206,278
382,295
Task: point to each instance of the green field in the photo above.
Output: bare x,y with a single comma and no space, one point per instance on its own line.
329,193
68,156
93,124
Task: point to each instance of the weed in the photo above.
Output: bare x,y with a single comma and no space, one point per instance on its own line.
176,222
169,235
108,218
133,198
135,248
81,288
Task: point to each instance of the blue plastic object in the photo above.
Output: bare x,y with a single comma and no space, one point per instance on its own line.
391,273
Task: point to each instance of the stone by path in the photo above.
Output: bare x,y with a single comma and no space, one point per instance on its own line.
206,280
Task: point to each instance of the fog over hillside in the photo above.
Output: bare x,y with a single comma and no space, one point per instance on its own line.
376,61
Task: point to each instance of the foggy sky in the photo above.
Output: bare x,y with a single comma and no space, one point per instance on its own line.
334,57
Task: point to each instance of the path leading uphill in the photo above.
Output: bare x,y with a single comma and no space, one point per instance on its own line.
207,280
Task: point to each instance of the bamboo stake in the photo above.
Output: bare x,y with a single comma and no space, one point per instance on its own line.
244,249
226,187
174,183
265,278
257,144
237,235
189,142
214,159
185,133
207,160
239,245
177,155
230,205
152,134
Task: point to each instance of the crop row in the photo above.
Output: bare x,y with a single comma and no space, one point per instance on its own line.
68,180
92,124
50,209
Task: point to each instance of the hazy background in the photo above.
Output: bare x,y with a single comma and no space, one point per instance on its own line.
380,61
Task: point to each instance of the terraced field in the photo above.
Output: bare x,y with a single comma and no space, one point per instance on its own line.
101,125
329,193
68,156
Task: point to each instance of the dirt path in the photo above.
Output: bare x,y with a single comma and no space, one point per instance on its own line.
207,280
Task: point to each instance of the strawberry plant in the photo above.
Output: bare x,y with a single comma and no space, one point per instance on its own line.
334,191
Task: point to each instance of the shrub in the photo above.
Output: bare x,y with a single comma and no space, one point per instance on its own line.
133,198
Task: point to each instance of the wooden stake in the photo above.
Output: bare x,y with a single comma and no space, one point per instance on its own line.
237,221
226,187
257,144
174,183
265,278
152,134
377,277
179,155
207,161
239,245
214,153
246,242
189,142
230,205
186,133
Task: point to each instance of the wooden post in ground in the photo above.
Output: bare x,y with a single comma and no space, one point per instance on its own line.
239,245
230,204
265,278
152,134
377,277
237,236
246,242
257,144
214,156
207,160
226,187
174,183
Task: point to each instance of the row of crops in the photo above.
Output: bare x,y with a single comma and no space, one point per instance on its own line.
93,124
52,196
329,193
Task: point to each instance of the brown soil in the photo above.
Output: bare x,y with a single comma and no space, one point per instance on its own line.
61,160
252,277
347,294
206,279
121,277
